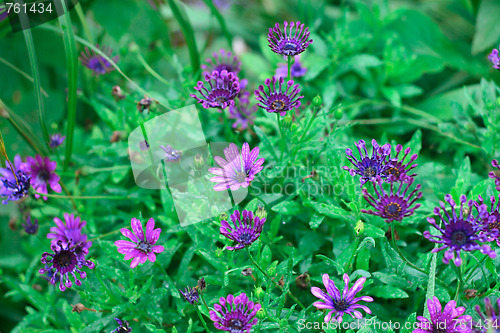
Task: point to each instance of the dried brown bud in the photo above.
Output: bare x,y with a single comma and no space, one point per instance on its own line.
115,137
281,282
202,284
303,281
247,272
117,93
78,308
470,293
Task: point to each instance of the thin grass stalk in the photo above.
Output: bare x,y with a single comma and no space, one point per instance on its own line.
220,19
22,73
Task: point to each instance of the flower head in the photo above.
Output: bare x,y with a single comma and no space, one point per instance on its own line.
245,228
494,58
41,170
399,171
56,140
222,61
243,114
490,316
142,246
447,320
122,327
341,303
235,314
97,63
296,69
31,227
277,100
238,170
63,263
222,89
70,231
191,295
459,232
489,226
286,43
494,176
14,185
394,205
369,168
171,155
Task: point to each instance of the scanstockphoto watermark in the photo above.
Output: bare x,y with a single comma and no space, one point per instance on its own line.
357,325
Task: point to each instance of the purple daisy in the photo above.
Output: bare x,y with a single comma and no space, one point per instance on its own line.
142,247
223,88
14,186
30,226
489,317
3,12
56,140
345,303
458,232
243,114
286,43
171,155
369,168
296,69
98,64
399,171
494,58
122,326
63,262
492,174
245,230
223,60
238,170
235,314
450,320
276,100
70,231
41,170
393,205
490,223
191,295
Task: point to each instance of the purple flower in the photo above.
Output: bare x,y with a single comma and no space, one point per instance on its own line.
122,327
14,187
399,171
489,317
56,140
70,231
245,229
393,205
223,88
238,170
341,303
235,314
98,64
244,114
450,320
31,227
275,99
489,226
492,174
191,295
3,12
458,232
41,170
222,61
286,43
63,263
171,155
296,69
142,247
369,168
494,58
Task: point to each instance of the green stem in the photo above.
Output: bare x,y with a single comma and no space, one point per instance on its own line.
151,70
94,197
204,302
21,72
201,319
479,262
289,76
150,153
460,282
283,138
85,26
105,235
395,245
221,21
308,126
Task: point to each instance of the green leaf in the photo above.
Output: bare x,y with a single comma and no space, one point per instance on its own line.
316,221
388,292
288,208
487,28
431,284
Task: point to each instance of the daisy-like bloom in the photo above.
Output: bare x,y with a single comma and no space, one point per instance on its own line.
98,64
489,229
70,231
222,88
235,314
341,303
146,103
223,60
3,12
56,140
122,326
494,58
492,174
30,227
447,320
171,155
14,185
277,100
459,232
41,170
63,263
369,168
394,205
245,229
142,246
289,44
191,295
243,114
399,171
490,317
296,69
238,170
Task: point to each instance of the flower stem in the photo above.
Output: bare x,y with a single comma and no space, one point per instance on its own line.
283,138
395,245
105,235
289,76
204,302
92,197
270,279
201,319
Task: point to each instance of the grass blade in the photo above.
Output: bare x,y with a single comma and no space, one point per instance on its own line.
220,19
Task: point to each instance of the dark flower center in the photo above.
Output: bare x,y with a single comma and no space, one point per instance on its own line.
144,246
219,68
341,305
221,99
439,327
245,238
393,209
494,225
64,261
241,176
278,105
289,48
44,175
235,324
98,65
393,171
458,237
370,172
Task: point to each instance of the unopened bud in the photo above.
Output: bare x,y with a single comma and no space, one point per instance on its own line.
199,162
360,227
287,121
259,292
202,284
133,47
339,113
247,272
261,212
223,217
219,252
261,314
317,101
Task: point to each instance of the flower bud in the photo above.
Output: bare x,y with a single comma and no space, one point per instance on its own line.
219,252
261,212
339,113
259,292
360,227
199,162
287,121
261,314
223,217
201,284
317,101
